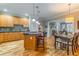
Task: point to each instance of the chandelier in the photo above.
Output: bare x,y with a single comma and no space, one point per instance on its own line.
69,18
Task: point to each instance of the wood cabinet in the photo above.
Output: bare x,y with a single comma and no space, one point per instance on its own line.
6,21
1,37
30,42
9,21
24,22
33,43
21,21
11,36
17,20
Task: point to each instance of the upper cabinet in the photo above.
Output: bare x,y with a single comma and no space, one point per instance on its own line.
25,22
6,21
16,20
21,21
9,21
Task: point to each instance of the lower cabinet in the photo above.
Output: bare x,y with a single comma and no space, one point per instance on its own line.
30,42
1,37
11,36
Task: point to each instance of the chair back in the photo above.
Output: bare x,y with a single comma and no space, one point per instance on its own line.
75,38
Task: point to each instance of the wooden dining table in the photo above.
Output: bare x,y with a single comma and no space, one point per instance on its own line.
64,38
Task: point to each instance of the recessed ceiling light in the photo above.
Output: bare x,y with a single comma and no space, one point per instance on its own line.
5,10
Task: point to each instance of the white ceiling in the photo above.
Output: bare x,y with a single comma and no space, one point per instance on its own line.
47,10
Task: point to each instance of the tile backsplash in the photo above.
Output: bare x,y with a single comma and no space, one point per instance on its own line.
13,29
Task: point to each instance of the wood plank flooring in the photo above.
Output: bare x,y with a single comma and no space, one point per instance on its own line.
16,48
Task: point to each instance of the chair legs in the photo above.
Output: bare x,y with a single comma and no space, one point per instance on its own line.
72,49
67,49
67,46
76,46
55,43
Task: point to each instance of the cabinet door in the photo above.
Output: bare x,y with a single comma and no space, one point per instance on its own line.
3,21
5,37
21,35
26,42
1,37
24,22
16,20
32,42
6,21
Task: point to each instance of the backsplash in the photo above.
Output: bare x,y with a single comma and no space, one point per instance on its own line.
14,29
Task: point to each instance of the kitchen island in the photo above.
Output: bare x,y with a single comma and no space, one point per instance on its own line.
33,41
30,41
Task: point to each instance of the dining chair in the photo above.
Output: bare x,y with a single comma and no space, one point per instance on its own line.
67,42
75,41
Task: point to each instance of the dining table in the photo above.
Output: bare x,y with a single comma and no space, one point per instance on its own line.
65,39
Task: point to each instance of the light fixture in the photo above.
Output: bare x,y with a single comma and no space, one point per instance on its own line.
37,22
33,20
69,18
33,12
5,10
37,15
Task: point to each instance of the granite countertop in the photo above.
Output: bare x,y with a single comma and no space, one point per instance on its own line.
10,31
30,33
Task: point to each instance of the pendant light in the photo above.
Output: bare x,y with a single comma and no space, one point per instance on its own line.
37,15
36,21
69,18
33,13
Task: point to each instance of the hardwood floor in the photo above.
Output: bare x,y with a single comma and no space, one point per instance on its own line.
16,48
